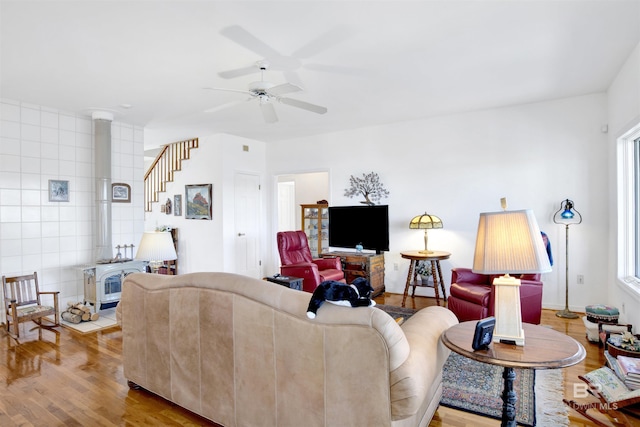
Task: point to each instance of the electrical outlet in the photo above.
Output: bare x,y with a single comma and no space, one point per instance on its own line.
580,279
395,266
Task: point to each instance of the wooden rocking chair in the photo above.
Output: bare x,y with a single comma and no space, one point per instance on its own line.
22,304
614,398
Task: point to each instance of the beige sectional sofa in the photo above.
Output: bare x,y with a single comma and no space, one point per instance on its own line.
242,352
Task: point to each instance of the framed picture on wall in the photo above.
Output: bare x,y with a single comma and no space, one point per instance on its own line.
121,193
198,201
58,190
177,205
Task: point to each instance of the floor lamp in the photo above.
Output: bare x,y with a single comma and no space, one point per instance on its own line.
567,215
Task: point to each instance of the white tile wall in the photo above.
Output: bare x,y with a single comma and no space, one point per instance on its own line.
38,144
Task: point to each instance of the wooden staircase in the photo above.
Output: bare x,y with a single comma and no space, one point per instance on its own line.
167,162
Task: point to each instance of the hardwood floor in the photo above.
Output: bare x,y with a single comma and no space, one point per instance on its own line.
65,378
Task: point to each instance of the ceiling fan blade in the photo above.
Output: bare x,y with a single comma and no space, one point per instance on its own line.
293,78
226,105
244,38
284,89
304,105
338,69
238,72
268,112
228,90
327,40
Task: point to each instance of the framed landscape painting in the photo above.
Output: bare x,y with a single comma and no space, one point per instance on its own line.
198,201
58,190
120,193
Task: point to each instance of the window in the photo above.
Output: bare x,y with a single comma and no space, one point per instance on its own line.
629,210
636,193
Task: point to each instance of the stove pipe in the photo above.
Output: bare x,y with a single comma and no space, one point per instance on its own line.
102,140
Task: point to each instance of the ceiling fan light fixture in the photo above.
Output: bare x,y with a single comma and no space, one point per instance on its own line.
260,86
268,93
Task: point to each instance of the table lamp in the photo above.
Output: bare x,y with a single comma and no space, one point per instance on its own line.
425,222
509,242
156,247
567,215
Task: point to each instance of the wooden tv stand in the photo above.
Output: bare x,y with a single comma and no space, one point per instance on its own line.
362,264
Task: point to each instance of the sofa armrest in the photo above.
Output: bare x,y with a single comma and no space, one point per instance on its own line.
328,263
119,314
465,275
412,380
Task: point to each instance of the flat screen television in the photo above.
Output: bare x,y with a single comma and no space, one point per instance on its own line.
365,225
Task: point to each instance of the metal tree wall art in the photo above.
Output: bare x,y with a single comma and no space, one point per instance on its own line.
369,186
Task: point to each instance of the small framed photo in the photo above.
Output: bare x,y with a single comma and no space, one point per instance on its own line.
177,205
121,193
483,333
198,201
58,190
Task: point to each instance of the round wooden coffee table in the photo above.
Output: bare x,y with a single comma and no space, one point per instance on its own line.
544,348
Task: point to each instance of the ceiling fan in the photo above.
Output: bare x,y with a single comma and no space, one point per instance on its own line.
267,94
288,64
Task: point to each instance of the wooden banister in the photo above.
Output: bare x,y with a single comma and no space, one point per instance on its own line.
167,162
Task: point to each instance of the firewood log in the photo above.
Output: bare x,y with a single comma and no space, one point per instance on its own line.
70,317
83,314
95,316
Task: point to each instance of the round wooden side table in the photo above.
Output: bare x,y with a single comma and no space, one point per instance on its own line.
436,272
544,349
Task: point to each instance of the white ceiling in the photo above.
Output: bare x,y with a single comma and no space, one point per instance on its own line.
394,60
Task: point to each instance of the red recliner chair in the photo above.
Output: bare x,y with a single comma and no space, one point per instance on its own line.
471,296
296,261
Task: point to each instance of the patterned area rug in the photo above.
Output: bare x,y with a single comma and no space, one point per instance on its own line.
397,312
477,387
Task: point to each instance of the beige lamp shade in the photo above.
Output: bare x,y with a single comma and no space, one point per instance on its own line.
156,246
425,222
509,242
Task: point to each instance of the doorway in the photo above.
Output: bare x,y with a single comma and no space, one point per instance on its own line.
247,225
295,190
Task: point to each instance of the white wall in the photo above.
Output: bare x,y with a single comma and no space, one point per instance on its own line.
38,144
209,245
457,166
624,112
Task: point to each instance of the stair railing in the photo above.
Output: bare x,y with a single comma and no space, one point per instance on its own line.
167,162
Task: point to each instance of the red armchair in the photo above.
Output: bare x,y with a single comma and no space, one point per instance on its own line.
296,261
472,297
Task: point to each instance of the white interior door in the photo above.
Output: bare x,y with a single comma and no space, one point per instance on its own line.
247,224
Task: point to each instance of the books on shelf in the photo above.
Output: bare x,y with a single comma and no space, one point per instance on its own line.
626,368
